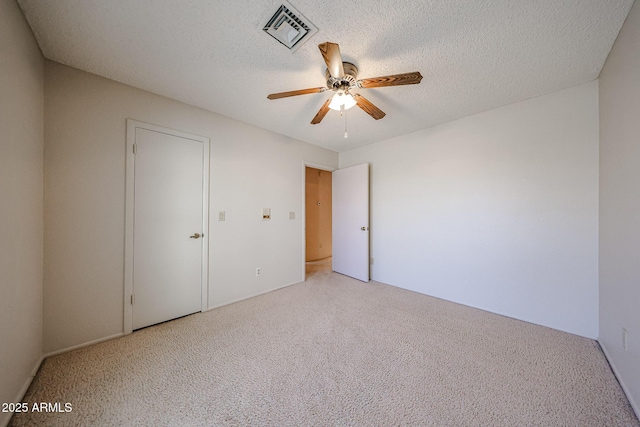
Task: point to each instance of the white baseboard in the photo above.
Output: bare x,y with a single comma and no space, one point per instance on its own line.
4,421
634,405
86,344
250,296
6,417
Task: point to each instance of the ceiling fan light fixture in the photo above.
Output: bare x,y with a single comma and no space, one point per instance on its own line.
342,100
349,101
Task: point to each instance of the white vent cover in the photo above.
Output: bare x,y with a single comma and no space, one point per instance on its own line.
289,27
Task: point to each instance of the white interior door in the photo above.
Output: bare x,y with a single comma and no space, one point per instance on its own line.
350,202
169,223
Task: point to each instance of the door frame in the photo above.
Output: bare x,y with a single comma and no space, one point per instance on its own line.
132,125
305,165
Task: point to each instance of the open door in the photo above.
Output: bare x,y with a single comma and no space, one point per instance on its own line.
350,235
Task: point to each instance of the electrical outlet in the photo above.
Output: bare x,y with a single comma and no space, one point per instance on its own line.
624,339
258,271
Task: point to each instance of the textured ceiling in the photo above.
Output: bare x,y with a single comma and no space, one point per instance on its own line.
474,55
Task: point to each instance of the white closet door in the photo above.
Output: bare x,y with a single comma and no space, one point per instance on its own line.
167,227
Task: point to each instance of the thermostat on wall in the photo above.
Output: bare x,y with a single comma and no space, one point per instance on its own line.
266,214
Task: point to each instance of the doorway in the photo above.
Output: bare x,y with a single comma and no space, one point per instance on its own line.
347,219
318,211
166,252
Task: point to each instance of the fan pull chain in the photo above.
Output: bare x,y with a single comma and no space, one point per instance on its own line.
346,135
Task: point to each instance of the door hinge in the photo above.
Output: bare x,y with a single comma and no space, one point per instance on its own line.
135,148
133,299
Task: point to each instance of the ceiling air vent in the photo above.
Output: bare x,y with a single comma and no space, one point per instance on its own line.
289,27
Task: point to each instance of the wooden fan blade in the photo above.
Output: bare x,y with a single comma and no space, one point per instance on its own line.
333,59
394,80
296,92
321,113
368,107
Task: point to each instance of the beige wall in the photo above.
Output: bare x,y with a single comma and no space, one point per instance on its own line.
21,146
318,213
498,210
251,168
620,206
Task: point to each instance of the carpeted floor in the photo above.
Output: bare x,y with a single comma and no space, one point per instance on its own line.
333,351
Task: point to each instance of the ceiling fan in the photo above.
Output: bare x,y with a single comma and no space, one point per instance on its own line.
341,78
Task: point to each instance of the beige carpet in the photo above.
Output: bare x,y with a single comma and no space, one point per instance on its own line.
335,352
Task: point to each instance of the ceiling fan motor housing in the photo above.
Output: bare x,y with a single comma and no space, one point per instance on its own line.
346,81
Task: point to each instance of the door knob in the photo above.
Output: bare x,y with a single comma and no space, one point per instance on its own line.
364,228
195,236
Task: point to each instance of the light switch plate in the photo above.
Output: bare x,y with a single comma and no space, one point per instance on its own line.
220,215
292,215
